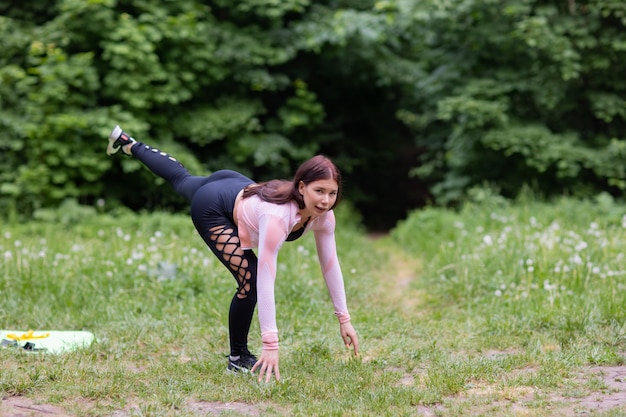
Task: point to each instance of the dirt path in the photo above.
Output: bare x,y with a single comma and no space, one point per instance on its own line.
395,287
23,407
26,407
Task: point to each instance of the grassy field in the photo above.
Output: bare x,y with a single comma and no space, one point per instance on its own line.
494,310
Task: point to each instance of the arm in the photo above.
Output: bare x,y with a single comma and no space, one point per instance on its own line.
272,234
331,270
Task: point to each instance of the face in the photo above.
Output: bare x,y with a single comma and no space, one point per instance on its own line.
319,196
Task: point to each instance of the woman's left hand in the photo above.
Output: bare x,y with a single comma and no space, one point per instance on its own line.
348,334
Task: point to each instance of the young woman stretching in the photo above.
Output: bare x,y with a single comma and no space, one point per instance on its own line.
233,215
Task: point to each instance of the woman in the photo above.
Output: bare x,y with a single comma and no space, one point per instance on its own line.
233,215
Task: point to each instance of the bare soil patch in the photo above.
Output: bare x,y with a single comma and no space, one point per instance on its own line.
27,407
216,408
609,393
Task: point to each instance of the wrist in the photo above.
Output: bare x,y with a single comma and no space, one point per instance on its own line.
343,317
270,340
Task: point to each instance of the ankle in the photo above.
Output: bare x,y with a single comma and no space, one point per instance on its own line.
127,148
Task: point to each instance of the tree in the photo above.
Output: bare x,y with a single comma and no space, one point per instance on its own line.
517,93
455,94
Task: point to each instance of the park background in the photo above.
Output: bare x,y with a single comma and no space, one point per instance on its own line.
486,138
419,102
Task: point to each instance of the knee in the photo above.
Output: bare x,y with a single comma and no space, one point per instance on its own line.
182,186
247,295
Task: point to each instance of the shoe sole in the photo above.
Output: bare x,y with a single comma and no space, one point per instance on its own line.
232,367
235,368
115,134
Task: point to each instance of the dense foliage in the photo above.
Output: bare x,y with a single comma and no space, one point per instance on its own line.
416,101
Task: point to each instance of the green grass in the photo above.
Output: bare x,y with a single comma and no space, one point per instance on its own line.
487,311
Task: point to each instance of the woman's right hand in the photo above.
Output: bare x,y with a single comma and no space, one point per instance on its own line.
267,364
349,336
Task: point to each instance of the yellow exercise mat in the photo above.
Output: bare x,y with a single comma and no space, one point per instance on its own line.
47,341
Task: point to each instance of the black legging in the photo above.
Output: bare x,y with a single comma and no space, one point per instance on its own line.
212,202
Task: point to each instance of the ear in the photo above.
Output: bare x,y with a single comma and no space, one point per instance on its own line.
301,187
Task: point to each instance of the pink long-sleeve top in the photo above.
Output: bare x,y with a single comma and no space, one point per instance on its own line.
266,226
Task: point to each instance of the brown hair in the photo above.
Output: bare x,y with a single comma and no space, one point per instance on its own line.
282,191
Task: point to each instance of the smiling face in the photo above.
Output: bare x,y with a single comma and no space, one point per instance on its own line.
319,196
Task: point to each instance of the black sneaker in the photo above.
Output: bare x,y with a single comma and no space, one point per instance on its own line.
245,362
117,139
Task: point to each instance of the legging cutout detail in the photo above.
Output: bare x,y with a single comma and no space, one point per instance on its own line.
226,244
212,201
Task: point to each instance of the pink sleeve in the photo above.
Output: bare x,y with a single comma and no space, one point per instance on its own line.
272,234
327,253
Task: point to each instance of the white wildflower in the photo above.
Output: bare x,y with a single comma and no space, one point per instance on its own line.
549,287
581,245
576,259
